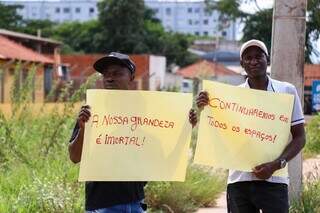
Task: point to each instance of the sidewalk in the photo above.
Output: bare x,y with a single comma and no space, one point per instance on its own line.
220,208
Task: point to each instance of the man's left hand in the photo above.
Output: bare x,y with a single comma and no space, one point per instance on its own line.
265,171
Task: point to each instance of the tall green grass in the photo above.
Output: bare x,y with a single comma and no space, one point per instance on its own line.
310,199
200,189
35,171
312,146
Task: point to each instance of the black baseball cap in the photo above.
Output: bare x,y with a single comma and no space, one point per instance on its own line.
114,58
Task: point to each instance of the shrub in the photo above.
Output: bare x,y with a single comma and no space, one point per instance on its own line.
200,189
310,199
313,137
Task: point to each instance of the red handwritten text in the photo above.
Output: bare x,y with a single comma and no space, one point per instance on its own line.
260,135
133,121
232,106
217,124
119,140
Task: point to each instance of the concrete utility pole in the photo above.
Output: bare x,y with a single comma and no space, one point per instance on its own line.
287,55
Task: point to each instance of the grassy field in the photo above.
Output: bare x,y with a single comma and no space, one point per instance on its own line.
310,199
312,147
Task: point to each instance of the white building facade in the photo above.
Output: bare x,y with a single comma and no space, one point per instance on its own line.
57,10
191,17
184,16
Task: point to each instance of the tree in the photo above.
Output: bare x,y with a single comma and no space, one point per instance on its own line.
228,8
172,45
259,25
9,18
32,27
123,25
79,37
138,31
313,29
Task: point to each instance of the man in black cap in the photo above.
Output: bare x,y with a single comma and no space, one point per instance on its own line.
108,197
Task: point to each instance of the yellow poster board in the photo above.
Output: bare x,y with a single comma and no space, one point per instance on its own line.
136,136
242,128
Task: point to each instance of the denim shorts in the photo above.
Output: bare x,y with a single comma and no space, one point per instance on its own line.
134,207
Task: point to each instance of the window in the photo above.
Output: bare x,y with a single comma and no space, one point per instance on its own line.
57,9
185,84
155,10
168,11
91,10
189,10
21,77
196,33
197,10
190,22
205,33
224,33
78,10
196,22
63,72
207,13
48,70
66,10
205,22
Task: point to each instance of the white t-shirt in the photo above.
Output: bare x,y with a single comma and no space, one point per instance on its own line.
297,118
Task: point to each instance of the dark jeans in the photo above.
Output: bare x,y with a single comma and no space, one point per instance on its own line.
253,196
134,207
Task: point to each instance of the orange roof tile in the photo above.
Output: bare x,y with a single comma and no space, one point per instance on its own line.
204,68
13,34
311,72
12,50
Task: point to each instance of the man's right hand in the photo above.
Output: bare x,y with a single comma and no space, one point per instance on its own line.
202,99
193,117
84,116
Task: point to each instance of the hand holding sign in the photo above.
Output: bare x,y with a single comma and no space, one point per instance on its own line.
265,170
84,116
202,99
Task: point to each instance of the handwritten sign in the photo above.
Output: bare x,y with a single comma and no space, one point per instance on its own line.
136,136
242,128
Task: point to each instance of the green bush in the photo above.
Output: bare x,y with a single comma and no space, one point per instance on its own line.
310,199
313,137
36,174
200,189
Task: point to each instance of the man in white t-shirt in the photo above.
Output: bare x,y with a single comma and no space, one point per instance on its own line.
259,190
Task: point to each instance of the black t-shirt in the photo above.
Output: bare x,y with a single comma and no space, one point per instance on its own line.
106,194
